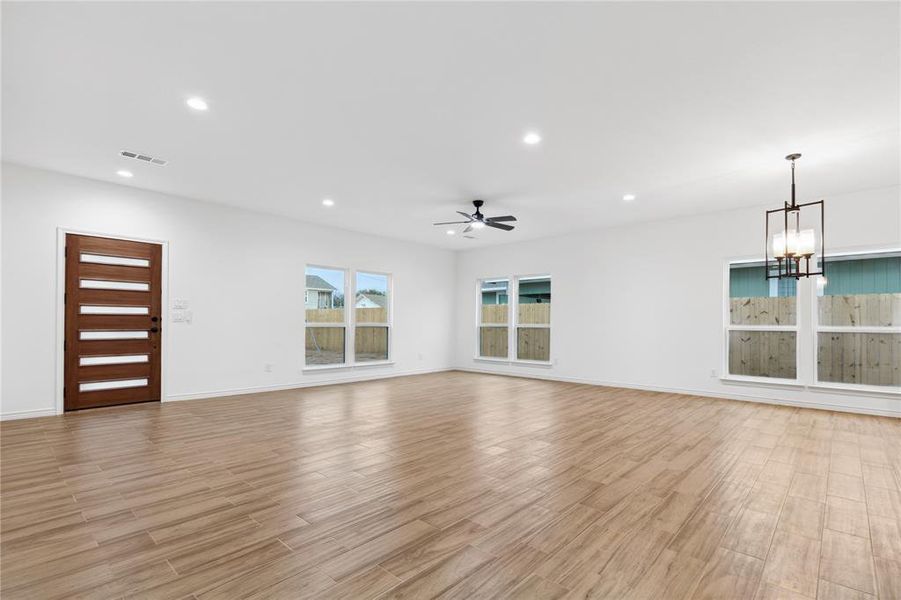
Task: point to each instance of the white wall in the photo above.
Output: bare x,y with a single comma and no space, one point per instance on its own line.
638,306
642,306
242,272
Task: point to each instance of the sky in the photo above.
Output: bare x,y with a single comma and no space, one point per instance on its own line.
365,281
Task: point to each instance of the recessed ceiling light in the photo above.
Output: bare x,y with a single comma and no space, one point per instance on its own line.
629,197
197,103
451,232
124,173
531,138
328,202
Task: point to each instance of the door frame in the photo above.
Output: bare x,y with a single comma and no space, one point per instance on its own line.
61,232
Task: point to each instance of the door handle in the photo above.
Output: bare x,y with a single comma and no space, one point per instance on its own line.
154,319
154,329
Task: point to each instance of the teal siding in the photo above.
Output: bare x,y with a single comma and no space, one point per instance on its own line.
751,282
865,276
535,287
531,292
880,275
494,298
746,282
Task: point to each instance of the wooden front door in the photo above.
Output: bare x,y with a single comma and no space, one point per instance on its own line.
113,322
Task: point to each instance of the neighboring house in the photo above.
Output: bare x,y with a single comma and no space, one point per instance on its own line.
319,293
369,300
534,291
494,292
531,291
881,275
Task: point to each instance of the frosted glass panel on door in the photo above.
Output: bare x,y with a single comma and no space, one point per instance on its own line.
114,335
114,310
94,386
122,261
124,359
103,284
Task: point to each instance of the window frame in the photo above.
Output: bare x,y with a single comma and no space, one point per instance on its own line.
816,328
389,320
513,345
729,327
807,324
343,324
479,324
512,323
350,317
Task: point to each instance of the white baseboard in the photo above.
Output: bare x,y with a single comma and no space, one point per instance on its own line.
315,381
312,381
690,392
319,379
28,414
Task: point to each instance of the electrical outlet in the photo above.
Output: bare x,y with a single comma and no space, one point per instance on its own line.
713,373
267,367
178,316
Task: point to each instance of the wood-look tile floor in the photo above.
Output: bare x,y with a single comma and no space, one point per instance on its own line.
452,485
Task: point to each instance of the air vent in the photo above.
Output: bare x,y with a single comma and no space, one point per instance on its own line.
143,157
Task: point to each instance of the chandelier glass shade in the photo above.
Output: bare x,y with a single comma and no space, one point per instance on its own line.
794,237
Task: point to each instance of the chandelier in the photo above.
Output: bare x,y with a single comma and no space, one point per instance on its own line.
794,244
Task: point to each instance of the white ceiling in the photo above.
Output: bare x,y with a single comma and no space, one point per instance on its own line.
403,113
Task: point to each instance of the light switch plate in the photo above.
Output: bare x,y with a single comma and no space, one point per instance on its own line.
180,303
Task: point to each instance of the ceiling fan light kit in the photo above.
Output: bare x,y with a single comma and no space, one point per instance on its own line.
795,238
479,221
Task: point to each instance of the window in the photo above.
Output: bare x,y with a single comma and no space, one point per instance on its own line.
371,312
533,318
494,316
762,331
850,337
326,317
530,323
858,321
332,324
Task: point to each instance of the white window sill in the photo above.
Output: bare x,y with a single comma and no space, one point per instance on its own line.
838,388
521,363
374,363
762,381
363,365
315,368
857,390
533,363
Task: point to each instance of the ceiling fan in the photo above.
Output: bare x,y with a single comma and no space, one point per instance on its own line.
479,221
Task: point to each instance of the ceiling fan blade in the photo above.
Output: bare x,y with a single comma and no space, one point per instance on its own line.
504,218
499,226
469,237
468,216
468,229
451,223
